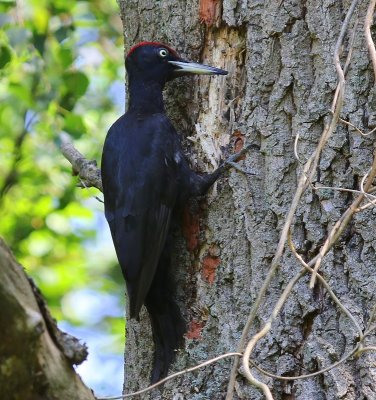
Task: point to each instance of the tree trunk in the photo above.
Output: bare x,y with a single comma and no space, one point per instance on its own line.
35,357
281,84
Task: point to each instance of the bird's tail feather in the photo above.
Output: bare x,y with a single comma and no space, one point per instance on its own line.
168,325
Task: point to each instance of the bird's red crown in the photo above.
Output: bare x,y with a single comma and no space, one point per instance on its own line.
156,44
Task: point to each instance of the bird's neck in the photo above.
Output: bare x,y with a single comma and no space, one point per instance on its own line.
145,97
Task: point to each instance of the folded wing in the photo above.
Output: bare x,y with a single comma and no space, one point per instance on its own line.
140,190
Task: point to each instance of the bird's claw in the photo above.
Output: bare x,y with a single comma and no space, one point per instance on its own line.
234,165
231,161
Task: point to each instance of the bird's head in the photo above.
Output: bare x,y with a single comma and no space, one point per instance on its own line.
153,61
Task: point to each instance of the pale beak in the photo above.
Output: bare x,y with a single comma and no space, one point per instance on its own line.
186,67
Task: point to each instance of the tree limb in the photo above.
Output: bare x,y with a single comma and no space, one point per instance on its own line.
87,170
33,366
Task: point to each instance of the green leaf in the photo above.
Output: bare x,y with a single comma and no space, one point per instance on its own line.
5,5
39,40
63,32
41,18
5,56
74,125
22,93
65,56
76,82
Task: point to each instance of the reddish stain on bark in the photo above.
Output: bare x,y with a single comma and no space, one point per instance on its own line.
209,266
210,11
194,330
191,229
239,143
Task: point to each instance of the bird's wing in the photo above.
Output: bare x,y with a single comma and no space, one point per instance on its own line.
140,190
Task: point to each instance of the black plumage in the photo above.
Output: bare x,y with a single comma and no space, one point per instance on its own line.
145,179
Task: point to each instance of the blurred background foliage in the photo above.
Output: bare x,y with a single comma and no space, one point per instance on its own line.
61,70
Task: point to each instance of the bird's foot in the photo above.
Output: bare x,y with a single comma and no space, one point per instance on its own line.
231,161
232,164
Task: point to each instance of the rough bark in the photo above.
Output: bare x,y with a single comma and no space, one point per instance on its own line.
281,83
36,358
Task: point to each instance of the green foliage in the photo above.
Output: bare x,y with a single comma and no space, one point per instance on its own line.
58,59
5,56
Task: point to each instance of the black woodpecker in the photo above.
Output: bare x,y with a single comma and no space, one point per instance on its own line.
146,179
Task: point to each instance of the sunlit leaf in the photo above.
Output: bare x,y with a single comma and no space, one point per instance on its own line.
22,92
40,19
74,124
58,223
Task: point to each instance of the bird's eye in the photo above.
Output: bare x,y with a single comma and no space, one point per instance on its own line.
163,53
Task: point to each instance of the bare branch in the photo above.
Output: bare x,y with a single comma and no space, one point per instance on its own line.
252,343
341,224
353,352
371,319
87,170
364,349
339,189
327,287
356,128
172,376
